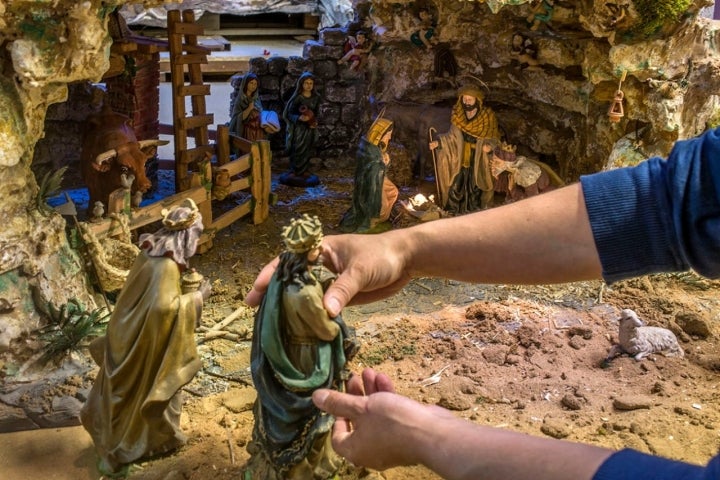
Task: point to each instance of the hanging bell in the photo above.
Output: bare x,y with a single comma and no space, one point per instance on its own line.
616,109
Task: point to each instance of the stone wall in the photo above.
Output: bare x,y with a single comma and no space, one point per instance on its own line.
344,110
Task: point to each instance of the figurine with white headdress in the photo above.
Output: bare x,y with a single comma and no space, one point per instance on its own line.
297,348
374,194
148,353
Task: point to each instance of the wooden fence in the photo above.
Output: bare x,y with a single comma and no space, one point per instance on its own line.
249,171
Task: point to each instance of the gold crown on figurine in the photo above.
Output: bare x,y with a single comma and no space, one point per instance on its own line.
303,234
379,128
507,147
181,216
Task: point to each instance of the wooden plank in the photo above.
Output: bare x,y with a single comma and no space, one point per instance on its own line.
228,218
219,40
240,143
150,213
185,28
197,49
215,65
257,32
240,165
196,154
239,184
122,48
187,90
190,59
195,121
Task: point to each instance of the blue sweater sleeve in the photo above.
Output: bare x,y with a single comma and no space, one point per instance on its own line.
660,216
632,465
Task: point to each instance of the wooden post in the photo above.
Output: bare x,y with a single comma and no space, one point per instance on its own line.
260,172
222,144
177,75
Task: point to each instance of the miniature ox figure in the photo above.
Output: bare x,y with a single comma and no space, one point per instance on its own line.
113,158
640,341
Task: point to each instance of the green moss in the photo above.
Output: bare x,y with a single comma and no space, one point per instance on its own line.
656,13
13,283
714,120
12,121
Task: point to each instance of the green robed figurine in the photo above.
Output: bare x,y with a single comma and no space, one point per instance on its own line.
296,349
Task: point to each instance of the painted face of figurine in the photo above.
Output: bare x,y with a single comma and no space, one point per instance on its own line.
385,140
314,254
469,103
251,86
517,41
308,86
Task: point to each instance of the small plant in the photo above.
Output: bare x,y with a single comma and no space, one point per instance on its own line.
49,187
69,326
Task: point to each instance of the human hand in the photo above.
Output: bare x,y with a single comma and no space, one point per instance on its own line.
379,430
367,271
433,145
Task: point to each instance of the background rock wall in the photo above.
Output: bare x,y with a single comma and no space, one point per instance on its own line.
557,109
46,45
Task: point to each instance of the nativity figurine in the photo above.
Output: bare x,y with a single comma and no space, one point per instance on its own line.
148,352
301,121
517,176
248,119
445,65
464,154
374,194
297,348
356,50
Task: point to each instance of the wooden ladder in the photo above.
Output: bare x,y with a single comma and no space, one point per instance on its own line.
184,51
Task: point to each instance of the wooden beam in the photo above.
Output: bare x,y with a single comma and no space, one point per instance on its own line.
239,165
240,184
190,59
189,28
145,215
240,143
187,90
196,121
195,154
228,218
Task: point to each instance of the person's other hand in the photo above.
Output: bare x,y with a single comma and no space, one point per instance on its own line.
380,430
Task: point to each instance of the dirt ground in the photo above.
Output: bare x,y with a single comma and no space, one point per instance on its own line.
530,359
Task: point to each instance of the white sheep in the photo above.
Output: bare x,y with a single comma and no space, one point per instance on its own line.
640,341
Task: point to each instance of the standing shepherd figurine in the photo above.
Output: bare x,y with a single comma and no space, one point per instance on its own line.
297,348
301,121
149,352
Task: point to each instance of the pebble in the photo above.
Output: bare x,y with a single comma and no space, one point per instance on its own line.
632,402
